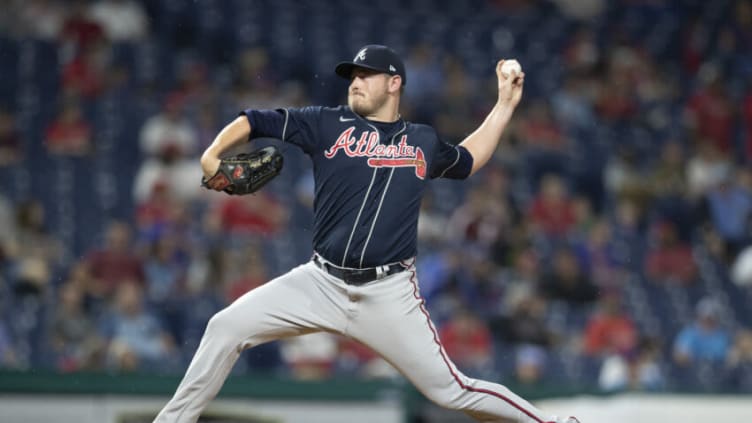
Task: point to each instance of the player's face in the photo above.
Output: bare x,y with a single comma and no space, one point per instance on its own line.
368,91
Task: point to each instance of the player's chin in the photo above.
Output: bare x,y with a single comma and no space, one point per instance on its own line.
358,105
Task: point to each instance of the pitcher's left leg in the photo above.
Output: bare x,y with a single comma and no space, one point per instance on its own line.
393,321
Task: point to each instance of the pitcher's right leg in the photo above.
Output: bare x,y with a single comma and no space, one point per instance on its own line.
295,303
394,322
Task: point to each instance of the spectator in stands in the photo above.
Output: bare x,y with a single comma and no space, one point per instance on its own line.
739,361
475,222
599,254
86,74
695,44
265,359
729,209
157,212
552,211
648,374
169,141
581,54
35,19
623,177
525,322
121,20
741,351
11,142
79,31
467,340
710,113
34,252
668,180
169,129
669,259
310,357
669,188
253,274
355,358
540,131
164,215
166,265
476,285
529,365
706,169
438,270
164,269
640,371
450,282
567,282
519,280
610,330
260,215
70,134
74,340
136,339
113,264
432,224
545,145
584,218
627,221
627,227
617,100
571,104
704,339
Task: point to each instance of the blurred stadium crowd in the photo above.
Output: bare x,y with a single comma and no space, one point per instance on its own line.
607,244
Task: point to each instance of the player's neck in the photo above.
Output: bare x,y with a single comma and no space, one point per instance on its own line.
389,112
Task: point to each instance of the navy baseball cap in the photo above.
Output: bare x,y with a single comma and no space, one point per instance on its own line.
374,57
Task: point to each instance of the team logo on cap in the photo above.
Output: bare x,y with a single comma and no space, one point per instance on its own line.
361,55
379,155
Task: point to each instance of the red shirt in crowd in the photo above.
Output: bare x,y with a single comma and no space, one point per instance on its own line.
555,217
671,262
82,31
713,118
606,333
257,215
69,135
466,339
109,269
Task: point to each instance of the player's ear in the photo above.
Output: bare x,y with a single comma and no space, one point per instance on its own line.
395,84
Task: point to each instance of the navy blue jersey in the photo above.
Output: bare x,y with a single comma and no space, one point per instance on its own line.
369,177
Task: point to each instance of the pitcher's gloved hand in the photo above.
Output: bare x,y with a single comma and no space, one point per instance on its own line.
246,173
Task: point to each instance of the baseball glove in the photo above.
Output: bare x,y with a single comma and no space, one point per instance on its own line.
246,173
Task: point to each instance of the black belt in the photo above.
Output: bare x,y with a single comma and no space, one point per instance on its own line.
358,276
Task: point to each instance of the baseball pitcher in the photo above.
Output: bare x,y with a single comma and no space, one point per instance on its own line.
370,168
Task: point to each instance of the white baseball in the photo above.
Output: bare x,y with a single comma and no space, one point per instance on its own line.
510,67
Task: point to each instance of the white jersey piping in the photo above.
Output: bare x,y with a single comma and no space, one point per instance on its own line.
383,195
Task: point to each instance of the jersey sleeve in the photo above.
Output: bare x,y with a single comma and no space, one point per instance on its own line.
296,126
451,161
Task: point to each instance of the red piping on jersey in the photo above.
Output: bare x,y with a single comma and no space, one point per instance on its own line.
446,360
